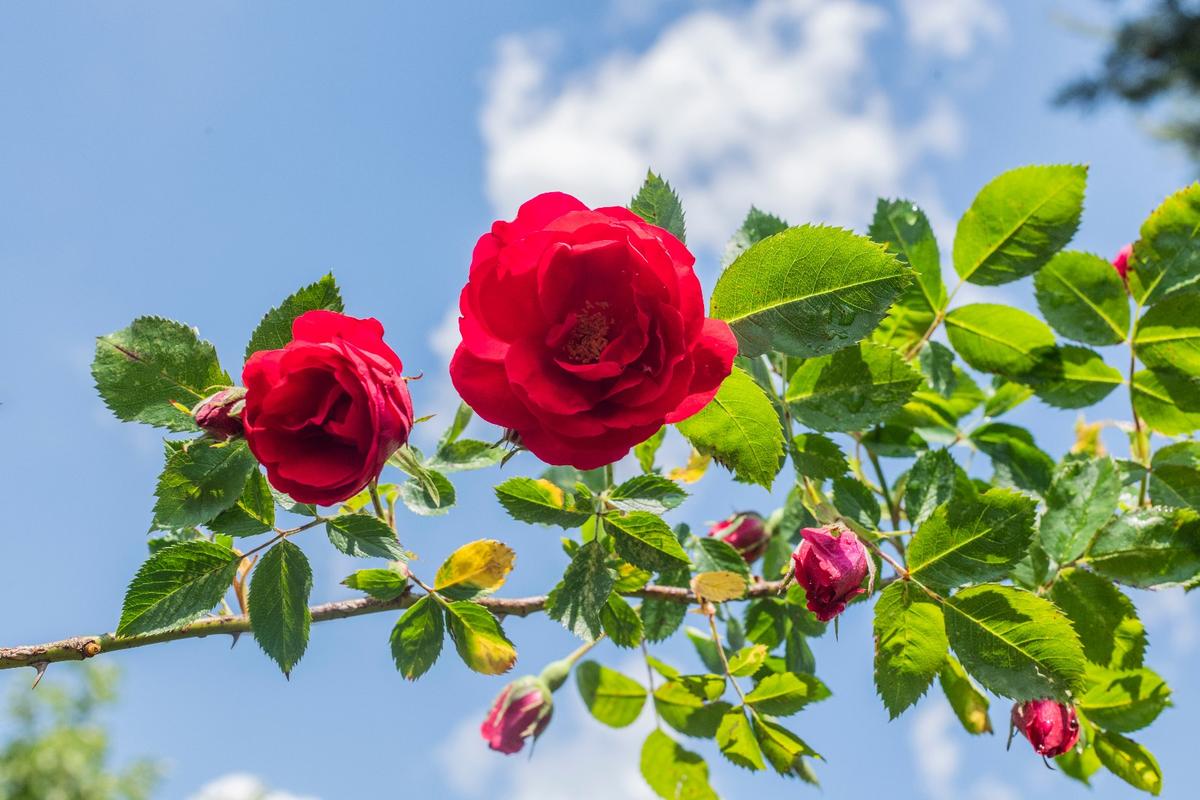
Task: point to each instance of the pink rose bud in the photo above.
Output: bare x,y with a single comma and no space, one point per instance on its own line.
220,416
1121,262
521,711
1051,727
831,569
745,532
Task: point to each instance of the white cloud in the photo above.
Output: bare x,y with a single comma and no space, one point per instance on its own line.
952,28
243,786
937,750
774,105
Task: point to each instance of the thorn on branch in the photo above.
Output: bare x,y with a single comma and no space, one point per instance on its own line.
234,636
40,666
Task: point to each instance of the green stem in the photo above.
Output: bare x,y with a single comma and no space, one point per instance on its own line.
893,506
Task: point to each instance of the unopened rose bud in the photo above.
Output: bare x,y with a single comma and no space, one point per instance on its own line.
1121,262
745,532
220,416
831,569
1051,727
522,711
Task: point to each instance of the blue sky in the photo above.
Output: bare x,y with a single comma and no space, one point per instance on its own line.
200,161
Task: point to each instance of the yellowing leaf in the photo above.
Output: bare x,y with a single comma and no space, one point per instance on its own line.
474,569
556,494
697,465
717,587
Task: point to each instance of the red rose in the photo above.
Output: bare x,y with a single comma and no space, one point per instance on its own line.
745,532
324,413
522,711
584,331
831,570
1051,727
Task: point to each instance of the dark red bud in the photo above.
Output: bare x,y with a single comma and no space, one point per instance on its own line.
220,416
522,711
1121,262
831,569
745,532
1051,727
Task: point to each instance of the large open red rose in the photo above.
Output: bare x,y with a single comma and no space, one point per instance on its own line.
324,413
584,331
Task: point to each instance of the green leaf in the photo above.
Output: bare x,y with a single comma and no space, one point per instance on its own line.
706,649
784,750
999,339
474,570
1080,763
851,389
579,599
1168,335
252,514
1150,548
757,226
1083,297
748,660
1015,643
716,555
1017,459
621,622
364,536
1124,700
937,365
785,693
1073,377
931,482
1129,761
970,705
818,457
462,418
657,203
740,430
910,645
645,541
1005,396
652,493
736,739
199,481
279,615
1081,499
1017,222
612,698
382,584
1175,475
275,329
540,502
1167,400
971,540
419,498
894,441
142,371
465,454
673,772
807,291
904,229
479,639
1105,619
661,618
1167,256
856,502
177,584
647,450
417,638
686,705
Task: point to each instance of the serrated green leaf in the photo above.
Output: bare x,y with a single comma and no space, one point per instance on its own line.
1073,377
691,706
910,645
612,698
540,502
252,514
278,604
1017,222
657,203
931,482
998,339
661,618
854,501
652,493
1129,761
364,536
1150,548
199,481
673,772
382,584
1175,475
417,638
275,329
1083,298
142,371
851,389
1124,700
1168,335
1167,400
904,229
1105,619
970,705
645,541
1018,645
1166,258
757,226
971,540
786,693
1017,459
621,622
894,441
807,291
579,599
475,569
784,750
715,555
1080,763
818,457
736,739
706,649
740,430
646,452
176,585
420,498
1005,396
465,454
937,365
748,660
479,639
1081,499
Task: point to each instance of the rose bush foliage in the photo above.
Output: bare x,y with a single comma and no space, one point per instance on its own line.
831,368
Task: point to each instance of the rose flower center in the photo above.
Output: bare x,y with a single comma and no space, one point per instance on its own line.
589,337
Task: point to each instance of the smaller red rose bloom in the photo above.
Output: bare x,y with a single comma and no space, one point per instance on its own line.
831,569
1121,262
324,413
220,416
522,711
1051,727
745,532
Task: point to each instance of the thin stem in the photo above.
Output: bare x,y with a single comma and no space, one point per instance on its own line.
650,681
893,507
712,625
582,650
937,320
373,487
